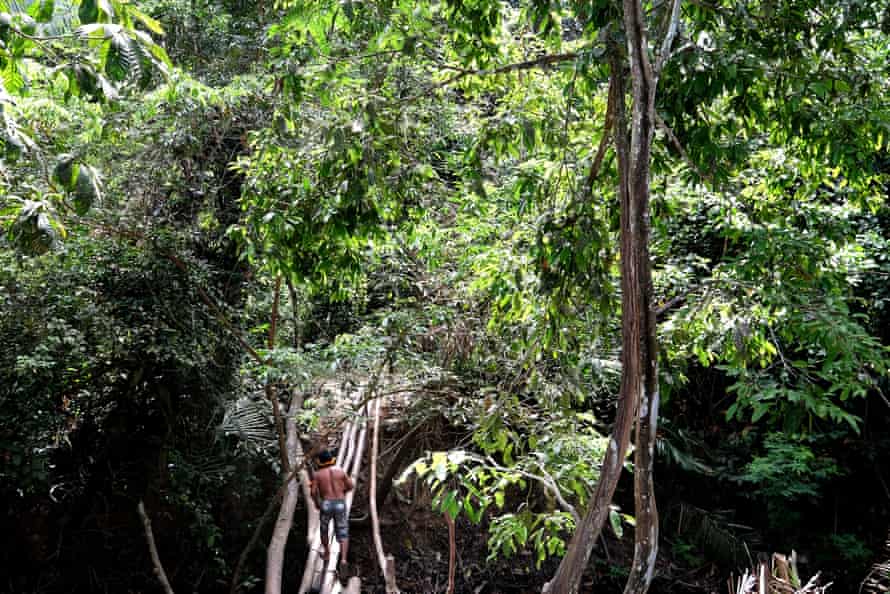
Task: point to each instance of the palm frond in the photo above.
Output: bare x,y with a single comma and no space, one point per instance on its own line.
675,447
250,420
713,533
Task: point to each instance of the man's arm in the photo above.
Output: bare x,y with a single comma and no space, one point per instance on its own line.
347,483
313,491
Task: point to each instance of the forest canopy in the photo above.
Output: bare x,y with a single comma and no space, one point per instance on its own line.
553,261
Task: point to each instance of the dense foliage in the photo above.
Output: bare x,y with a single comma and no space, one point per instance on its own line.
319,190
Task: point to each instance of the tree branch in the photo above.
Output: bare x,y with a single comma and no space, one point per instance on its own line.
670,304
679,146
153,550
451,553
608,124
39,41
526,65
387,566
547,482
669,36
271,392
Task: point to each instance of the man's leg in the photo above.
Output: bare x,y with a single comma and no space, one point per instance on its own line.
324,522
344,551
341,525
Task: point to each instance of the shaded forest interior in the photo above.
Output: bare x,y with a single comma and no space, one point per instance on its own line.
229,230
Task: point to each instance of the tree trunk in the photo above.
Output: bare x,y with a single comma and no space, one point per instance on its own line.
452,553
271,392
295,311
639,379
313,522
153,550
642,132
568,576
278,542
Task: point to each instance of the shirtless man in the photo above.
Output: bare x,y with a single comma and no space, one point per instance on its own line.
329,488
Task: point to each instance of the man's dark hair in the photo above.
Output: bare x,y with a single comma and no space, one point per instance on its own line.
325,457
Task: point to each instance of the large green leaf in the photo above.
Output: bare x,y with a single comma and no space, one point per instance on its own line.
66,171
5,97
119,56
157,53
149,23
32,232
86,190
42,10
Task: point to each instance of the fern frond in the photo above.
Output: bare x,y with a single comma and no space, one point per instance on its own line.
713,533
250,420
674,446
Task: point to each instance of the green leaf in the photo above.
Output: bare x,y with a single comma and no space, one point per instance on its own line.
150,23
13,81
42,10
119,57
155,51
439,465
66,171
615,523
88,11
86,191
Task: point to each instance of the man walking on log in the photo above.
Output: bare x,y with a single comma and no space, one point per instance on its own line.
329,488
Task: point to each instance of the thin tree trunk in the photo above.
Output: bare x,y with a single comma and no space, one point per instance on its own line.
386,568
295,310
289,491
567,579
271,392
242,559
372,489
278,542
639,379
452,553
153,550
642,133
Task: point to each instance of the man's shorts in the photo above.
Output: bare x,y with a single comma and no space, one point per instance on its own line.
335,509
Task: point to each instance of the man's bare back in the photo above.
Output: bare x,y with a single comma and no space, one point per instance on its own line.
332,483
